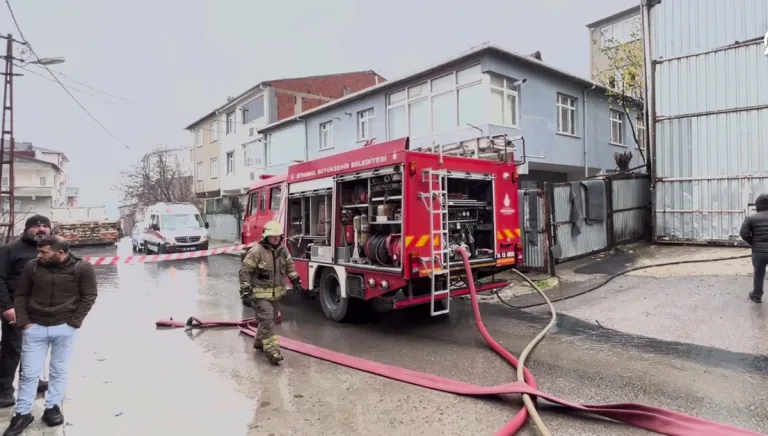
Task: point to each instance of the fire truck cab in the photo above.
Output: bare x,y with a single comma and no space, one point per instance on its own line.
382,223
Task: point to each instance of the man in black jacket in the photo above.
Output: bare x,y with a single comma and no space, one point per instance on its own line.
13,257
755,232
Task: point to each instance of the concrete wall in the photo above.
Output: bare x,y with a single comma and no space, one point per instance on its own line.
223,227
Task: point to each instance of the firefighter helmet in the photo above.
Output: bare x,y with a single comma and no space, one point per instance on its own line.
273,228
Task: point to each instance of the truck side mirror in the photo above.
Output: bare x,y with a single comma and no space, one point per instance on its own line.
207,225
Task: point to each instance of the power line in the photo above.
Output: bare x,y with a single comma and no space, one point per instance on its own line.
99,90
70,87
26,41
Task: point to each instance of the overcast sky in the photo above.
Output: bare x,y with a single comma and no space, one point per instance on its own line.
175,60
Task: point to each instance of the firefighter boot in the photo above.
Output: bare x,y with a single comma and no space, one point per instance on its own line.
275,357
257,344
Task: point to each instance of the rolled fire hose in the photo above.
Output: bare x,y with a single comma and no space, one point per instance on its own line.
651,418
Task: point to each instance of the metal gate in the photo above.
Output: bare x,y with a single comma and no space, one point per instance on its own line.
534,223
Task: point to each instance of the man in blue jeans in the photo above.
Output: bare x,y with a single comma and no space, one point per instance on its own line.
755,232
55,293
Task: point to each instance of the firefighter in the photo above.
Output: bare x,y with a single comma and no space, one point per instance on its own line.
262,284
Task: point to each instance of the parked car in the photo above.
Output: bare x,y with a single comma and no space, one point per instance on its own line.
137,241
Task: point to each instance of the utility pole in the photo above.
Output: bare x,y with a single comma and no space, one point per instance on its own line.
7,141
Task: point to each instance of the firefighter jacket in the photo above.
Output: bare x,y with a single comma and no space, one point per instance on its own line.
264,270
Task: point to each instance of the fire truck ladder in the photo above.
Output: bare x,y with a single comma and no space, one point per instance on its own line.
436,201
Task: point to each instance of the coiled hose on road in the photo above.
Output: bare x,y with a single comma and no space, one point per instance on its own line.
618,274
651,418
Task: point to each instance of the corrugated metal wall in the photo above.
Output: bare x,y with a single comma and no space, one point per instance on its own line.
630,208
711,115
593,237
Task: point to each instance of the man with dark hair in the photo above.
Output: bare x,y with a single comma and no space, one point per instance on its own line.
754,231
54,295
13,257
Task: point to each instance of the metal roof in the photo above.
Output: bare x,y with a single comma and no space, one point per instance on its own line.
484,48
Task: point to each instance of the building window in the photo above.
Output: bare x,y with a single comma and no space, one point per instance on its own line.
231,162
231,122
199,172
617,127
566,114
214,170
5,182
191,154
436,106
640,131
199,137
326,135
250,154
504,101
364,125
214,131
625,31
43,181
253,110
199,186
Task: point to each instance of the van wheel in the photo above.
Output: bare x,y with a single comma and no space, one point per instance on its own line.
161,248
334,306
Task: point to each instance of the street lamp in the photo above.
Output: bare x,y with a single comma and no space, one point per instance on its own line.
48,61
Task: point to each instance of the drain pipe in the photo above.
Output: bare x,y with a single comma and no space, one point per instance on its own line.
586,136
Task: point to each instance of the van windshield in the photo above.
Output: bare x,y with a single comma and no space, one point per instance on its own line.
180,221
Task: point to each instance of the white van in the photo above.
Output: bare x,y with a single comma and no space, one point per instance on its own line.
172,228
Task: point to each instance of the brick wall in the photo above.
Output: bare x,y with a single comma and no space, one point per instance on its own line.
298,95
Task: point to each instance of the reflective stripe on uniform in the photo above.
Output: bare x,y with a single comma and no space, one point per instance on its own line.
270,343
269,294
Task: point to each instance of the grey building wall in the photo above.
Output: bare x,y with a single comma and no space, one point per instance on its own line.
545,148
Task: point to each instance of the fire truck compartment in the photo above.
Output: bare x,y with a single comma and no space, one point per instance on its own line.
470,218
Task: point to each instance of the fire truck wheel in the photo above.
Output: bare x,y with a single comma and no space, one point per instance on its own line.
334,306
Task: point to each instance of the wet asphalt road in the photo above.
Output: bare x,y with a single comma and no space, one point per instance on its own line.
129,378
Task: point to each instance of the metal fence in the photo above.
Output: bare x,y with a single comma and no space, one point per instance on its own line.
594,215
534,226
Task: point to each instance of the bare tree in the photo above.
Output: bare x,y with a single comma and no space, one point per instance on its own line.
624,78
158,177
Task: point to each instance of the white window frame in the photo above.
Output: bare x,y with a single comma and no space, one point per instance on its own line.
326,136
427,94
231,118
43,181
214,168
199,171
5,182
365,124
640,131
568,103
617,119
507,91
230,161
214,131
199,186
199,137
621,32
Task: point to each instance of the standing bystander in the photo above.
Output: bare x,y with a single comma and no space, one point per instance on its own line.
54,296
13,257
755,232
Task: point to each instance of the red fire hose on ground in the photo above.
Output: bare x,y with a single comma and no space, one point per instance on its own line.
651,418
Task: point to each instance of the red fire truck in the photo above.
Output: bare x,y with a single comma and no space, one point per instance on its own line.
381,223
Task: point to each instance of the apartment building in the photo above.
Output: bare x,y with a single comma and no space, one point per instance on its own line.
228,150
40,179
570,126
605,35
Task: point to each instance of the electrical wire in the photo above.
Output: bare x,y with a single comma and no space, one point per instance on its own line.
44,77
32,50
621,273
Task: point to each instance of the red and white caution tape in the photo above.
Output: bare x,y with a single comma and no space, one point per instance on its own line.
126,260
